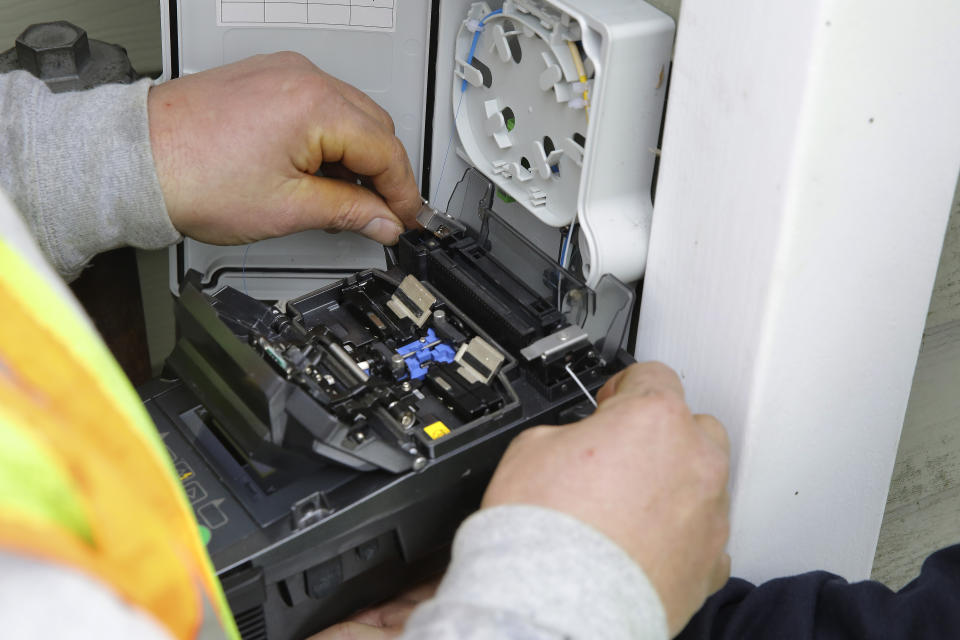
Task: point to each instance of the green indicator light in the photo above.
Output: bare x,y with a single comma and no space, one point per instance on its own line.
205,534
511,123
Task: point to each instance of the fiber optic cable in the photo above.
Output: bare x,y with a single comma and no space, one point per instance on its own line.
566,253
582,72
443,167
463,88
476,38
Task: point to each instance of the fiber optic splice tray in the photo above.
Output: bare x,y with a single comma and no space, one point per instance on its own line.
332,447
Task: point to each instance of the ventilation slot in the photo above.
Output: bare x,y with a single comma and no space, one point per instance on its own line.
252,624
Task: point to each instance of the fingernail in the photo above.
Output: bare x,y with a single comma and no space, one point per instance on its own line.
382,230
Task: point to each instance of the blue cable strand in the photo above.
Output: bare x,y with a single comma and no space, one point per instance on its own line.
463,88
564,258
476,38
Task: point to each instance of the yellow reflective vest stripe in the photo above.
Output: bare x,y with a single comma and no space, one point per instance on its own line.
84,477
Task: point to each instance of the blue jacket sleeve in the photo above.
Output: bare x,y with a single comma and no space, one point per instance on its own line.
822,606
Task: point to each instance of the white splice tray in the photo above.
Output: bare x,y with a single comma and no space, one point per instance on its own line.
560,107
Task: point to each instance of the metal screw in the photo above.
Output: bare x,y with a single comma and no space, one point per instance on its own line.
53,50
406,386
406,419
439,314
419,463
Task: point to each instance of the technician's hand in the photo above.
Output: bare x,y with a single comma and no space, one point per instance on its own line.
236,148
381,622
641,470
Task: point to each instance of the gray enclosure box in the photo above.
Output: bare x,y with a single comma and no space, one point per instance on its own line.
382,49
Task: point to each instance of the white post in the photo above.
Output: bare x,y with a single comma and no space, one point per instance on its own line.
810,154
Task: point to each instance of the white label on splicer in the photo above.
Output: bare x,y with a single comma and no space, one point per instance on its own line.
364,15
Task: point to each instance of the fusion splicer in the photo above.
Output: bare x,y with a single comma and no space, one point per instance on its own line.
332,447
334,412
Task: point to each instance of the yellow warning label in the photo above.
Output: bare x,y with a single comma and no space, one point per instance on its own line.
436,430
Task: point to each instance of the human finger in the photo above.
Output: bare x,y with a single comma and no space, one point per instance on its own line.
720,574
610,386
394,615
354,631
642,379
338,171
361,145
391,614
714,430
395,612
335,205
366,104
421,592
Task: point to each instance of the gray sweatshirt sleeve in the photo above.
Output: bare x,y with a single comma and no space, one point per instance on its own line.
532,573
41,600
80,169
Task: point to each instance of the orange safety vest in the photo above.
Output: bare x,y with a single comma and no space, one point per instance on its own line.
85,480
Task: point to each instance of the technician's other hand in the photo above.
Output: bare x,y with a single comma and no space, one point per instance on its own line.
381,622
641,470
236,148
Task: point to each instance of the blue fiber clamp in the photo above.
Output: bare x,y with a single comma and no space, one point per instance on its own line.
427,349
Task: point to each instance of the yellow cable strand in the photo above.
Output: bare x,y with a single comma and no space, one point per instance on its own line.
578,62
